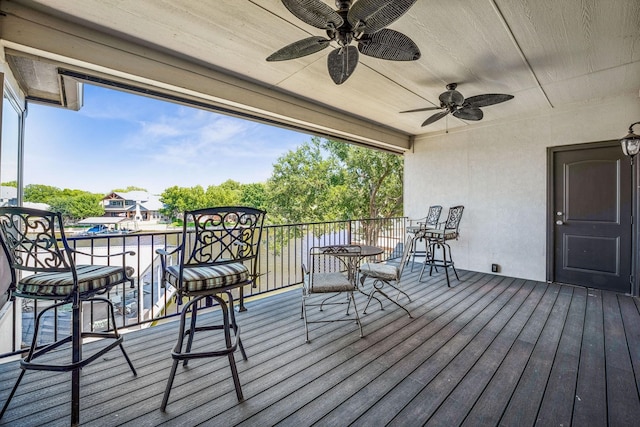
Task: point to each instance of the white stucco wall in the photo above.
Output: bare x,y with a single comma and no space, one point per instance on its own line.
498,171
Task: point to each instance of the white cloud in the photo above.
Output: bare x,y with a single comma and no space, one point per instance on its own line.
121,139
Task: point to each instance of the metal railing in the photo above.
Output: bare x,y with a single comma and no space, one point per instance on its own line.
283,251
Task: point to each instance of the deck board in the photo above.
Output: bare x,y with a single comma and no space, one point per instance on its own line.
623,406
590,406
490,350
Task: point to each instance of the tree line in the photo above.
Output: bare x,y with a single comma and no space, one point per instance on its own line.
321,180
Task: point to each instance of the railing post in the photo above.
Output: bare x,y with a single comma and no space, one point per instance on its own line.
241,306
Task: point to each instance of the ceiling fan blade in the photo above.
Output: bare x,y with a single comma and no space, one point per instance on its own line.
342,62
299,49
451,97
370,16
468,113
421,109
486,99
315,13
389,44
435,117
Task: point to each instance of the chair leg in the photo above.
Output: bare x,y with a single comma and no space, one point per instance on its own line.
76,339
400,291
446,270
227,339
369,296
304,317
236,377
228,323
177,349
30,355
429,259
167,389
377,285
414,249
192,331
327,299
394,302
234,325
452,264
111,310
369,301
355,309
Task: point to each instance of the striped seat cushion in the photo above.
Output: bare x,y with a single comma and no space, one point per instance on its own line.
379,271
91,278
209,277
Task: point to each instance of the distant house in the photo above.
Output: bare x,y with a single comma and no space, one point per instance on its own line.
8,196
136,205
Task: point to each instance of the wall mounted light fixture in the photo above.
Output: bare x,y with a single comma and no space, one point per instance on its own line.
631,143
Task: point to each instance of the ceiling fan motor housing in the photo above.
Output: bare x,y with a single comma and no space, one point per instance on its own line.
365,23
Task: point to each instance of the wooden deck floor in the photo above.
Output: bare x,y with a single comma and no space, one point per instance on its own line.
491,350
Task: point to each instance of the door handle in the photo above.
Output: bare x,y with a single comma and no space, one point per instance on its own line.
558,222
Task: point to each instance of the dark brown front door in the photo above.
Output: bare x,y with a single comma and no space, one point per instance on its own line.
592,217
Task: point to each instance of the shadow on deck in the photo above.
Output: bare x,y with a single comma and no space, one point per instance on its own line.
489,350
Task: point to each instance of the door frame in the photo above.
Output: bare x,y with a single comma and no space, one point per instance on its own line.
550,264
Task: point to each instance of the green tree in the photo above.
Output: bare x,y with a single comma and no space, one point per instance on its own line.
179,199
39,193
128,189
254,195
13,184
226,194
299,189
327,180
76,206
229,193
373,181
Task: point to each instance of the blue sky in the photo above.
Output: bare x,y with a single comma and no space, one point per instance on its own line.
118,139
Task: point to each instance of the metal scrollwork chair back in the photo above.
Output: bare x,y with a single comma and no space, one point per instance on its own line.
430,221
438,238
43,267
331,270
218,253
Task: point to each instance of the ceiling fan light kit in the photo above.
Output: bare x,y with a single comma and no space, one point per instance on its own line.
364,22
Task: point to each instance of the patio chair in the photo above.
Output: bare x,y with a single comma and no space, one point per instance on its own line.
417,227
438,238
218,253
42,269
387,274
331,271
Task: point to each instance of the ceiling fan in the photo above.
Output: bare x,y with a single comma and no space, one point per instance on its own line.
453,102
363,22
